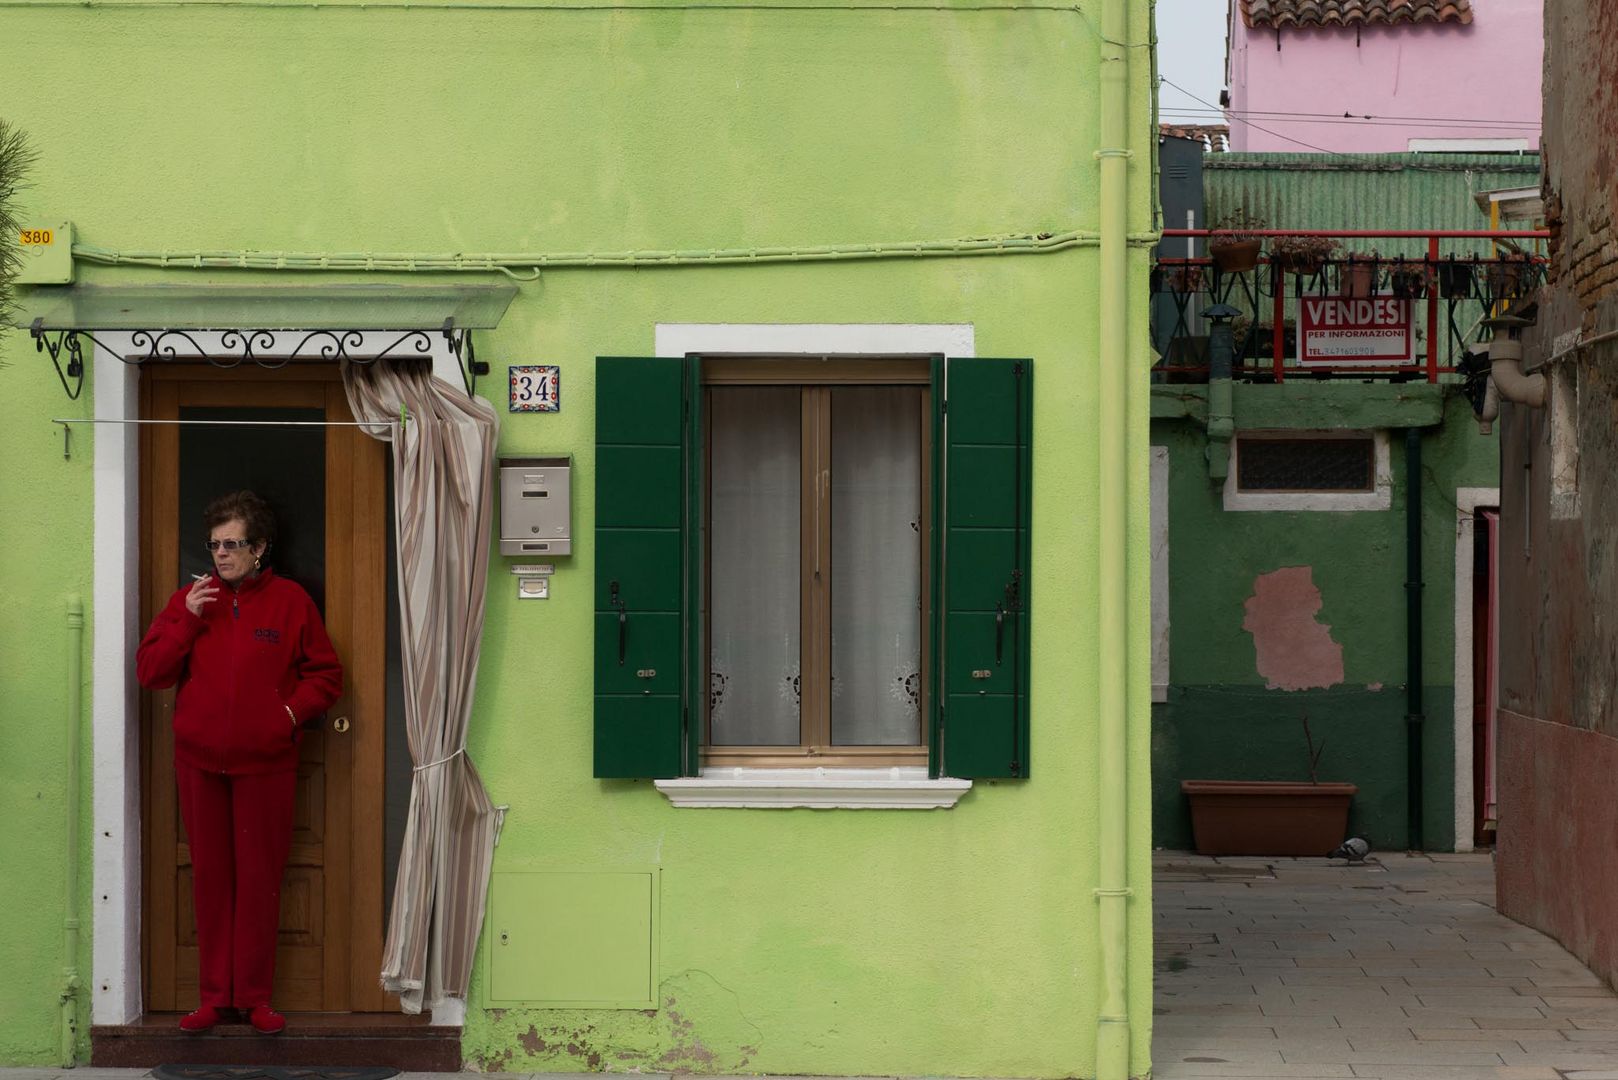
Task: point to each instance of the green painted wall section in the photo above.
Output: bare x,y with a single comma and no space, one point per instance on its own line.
1220,721
1309,406
45,532
958,942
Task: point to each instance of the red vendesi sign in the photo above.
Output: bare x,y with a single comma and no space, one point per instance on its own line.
1344,331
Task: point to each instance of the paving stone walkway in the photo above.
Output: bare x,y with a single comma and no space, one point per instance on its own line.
1399,969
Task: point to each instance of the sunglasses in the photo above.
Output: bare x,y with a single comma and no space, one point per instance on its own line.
226,545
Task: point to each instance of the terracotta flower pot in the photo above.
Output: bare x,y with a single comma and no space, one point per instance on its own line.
1359,280
1306,265
1234,256
1267,817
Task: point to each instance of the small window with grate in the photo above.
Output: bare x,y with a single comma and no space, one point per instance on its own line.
1309,470
1306,464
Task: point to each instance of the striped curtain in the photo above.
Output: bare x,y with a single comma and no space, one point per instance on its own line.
442,461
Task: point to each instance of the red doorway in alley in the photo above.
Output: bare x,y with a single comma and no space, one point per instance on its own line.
1485,650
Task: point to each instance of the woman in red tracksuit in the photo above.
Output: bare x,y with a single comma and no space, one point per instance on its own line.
253,664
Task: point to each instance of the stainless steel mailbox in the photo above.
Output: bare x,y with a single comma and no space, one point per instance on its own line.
534,506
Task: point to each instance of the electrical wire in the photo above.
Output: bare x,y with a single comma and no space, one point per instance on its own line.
1358,117
1205,117
1249,123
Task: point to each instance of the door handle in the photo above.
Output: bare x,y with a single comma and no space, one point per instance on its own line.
340,724
999,632
623,622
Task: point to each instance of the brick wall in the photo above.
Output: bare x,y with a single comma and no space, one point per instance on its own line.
1581,146
1558,557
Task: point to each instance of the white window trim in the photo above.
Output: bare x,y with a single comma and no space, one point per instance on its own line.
1379,498
905,787
1160,573
1468,501
816,339
884,788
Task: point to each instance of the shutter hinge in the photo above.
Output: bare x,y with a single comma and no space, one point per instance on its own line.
1016,768
1016,369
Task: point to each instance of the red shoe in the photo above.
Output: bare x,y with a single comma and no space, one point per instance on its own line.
201,1020
266,1021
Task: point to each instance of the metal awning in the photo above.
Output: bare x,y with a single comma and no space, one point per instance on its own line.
264,324
265,307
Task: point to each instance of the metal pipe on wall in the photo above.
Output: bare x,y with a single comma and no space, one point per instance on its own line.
1112,757
70,920
1415,719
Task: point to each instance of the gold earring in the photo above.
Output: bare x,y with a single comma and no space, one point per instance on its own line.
255,562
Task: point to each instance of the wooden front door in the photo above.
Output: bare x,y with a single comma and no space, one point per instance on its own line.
327,487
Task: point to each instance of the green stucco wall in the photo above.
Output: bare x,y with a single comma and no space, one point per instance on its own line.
46,522
1220,721
946,942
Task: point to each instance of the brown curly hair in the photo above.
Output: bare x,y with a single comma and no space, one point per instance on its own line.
244,506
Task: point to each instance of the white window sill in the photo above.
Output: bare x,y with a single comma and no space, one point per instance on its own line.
896,788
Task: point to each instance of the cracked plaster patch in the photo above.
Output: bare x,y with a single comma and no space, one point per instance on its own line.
1295,650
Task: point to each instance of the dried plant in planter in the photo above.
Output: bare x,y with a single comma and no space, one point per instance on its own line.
1455,278
1185,277
1409,280
1510,277
1358,274
1301,254
1234,245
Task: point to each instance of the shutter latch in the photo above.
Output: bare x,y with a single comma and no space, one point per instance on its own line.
623,622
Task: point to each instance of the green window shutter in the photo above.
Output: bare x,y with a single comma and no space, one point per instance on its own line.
644,432
982,622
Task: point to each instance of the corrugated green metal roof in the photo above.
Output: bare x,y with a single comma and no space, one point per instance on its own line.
1364,191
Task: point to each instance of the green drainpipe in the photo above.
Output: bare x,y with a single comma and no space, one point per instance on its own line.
70,921
1221,390
1112,895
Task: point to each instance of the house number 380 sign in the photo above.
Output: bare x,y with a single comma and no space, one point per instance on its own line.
536,388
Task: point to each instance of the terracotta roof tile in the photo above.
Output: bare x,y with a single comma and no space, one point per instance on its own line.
1281,14
1214,137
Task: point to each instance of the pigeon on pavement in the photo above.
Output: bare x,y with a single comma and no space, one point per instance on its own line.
1354,849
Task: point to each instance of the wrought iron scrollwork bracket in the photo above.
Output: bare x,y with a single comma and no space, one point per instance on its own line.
264,348
64,341
460,343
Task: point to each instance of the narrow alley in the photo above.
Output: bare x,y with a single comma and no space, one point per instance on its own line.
1397,969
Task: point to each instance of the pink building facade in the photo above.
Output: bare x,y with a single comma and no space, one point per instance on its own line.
1432,75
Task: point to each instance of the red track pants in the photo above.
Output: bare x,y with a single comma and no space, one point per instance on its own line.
240,832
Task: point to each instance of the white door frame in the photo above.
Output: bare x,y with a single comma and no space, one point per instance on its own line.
1468,501
115,992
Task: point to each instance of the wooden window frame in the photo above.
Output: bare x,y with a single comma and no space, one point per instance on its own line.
817,377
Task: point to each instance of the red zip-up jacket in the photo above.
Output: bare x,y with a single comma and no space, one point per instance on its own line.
255,652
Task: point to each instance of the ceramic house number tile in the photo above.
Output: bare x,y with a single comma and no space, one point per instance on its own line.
536,388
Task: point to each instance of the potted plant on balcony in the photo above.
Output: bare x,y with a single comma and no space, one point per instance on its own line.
1270,817
1408,280
1358,274
1454,279
1509,276
1233,244
1183,277
1301,254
